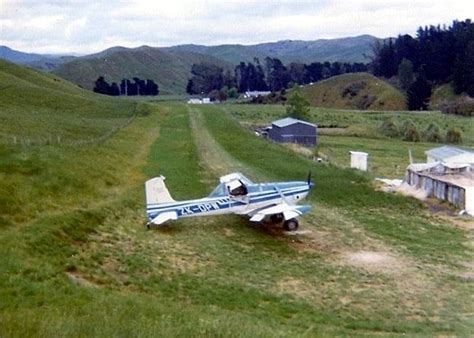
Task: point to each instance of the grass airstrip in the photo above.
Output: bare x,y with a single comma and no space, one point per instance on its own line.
76,260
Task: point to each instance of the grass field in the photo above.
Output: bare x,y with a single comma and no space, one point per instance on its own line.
76,260
340,131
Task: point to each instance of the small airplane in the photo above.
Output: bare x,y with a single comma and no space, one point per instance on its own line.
274,202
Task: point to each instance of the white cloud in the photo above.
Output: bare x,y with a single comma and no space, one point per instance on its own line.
89,26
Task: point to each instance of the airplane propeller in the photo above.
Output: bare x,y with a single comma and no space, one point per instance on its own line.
310,183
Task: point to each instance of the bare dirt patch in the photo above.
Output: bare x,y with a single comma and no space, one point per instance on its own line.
76,279
374,261
298,287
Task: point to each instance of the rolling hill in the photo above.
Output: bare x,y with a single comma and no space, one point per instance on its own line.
170,69
350,49
40,108
355,91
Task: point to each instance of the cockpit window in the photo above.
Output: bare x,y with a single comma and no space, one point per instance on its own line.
237,188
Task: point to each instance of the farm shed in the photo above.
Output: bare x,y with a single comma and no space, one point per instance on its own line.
290,130
448,154
447,182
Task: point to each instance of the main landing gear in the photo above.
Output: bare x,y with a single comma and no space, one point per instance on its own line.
291,224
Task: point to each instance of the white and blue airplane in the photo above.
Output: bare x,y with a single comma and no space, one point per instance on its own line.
274,202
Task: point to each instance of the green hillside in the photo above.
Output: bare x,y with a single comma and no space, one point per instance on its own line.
355,91
39,108
170,69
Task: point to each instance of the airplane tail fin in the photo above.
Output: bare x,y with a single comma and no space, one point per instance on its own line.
156,191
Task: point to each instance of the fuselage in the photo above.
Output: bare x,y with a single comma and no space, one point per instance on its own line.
220,202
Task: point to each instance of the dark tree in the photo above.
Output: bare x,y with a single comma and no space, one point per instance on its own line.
419,93
114,89
277,74
102,87
205,78
405,73
443,52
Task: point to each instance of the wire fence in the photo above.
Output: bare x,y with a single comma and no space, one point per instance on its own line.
51,140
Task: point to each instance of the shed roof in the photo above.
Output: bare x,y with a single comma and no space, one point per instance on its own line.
446,152
287,121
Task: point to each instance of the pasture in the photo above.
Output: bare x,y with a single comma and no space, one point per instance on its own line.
340,131
76,259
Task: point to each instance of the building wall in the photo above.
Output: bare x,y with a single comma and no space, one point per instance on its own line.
441,190
296,133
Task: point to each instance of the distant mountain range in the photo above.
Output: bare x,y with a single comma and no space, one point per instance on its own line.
170,66
38,61
351,49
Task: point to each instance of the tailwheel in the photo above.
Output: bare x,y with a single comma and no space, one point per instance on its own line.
291,224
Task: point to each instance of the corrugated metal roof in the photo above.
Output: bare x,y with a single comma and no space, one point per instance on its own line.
287,121
445,152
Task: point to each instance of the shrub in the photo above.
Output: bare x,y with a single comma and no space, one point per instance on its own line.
389,128
463,106
453,135
433,133
410,131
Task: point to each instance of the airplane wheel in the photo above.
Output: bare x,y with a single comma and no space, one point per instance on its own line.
291,224
276,218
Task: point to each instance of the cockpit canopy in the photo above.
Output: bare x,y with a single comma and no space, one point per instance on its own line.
234,184
236,188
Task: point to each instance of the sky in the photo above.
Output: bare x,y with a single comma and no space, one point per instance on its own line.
88,26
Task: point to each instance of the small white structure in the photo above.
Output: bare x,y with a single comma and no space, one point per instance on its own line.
448,154
206,100
255,93
359,160
194,101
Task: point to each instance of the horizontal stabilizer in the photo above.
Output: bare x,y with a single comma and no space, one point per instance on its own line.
164,217
156,191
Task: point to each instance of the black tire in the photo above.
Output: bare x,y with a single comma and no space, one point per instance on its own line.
291,224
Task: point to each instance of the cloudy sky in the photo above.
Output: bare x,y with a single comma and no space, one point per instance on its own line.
86,26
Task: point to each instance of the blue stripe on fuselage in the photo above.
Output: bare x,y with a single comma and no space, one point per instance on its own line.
208,205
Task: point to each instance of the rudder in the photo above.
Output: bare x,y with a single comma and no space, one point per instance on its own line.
156,191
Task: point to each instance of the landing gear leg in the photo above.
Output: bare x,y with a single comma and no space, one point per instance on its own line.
291,224
276,218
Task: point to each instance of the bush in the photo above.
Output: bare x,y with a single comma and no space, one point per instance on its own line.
433,133
298,106
453,135
410,131
463,106
389,128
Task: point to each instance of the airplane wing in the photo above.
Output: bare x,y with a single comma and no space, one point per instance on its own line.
288,211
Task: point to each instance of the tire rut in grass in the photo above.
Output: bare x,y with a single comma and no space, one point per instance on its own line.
212,156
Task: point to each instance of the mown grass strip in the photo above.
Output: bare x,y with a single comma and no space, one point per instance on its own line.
403,221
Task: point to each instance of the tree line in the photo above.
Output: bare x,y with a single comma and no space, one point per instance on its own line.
437,55
272,75
126,87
